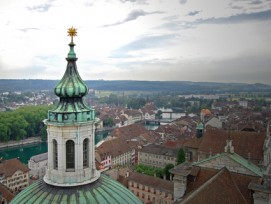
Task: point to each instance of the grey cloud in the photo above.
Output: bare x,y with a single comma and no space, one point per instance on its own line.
133,15
27,29
257,16
193,13
135,1
170,18
183,1
243,17
42,7
142,43
233,6
237,7
256,2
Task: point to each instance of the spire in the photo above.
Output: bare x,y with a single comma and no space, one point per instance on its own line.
72,32
71,89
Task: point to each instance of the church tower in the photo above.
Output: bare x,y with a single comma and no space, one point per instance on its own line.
71,175
70,128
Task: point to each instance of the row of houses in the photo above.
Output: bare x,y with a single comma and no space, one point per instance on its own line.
122,116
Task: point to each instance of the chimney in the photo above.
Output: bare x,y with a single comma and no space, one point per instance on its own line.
127,174
229,148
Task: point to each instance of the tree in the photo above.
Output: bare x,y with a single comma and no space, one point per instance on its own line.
166,170
4,133
43,134
108,122
158,115
180,156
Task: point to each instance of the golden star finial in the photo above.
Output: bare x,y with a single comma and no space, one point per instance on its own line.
72,32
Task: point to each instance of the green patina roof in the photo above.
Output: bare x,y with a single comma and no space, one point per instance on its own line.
71,89
200,126
71,84
104,190
245,163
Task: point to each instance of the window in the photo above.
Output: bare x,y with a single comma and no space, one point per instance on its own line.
70,162
55,156
86,153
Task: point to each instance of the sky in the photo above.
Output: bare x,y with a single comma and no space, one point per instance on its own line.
155,40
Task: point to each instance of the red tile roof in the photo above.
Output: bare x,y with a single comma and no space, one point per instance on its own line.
214,140
6,193
219,186
114,147
9,167
129,132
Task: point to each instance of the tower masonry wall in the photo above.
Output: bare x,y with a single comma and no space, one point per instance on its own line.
77,133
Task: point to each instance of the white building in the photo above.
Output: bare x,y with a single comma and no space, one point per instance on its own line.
37,165
14,174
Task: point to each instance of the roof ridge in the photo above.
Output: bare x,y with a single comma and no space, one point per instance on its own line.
236,157
211,180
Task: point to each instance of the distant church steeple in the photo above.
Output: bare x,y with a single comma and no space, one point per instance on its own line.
70,127
199,130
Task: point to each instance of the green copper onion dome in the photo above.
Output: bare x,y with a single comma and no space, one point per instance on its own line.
104,191
71,85
71,89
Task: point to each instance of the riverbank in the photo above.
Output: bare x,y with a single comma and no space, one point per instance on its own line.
31,140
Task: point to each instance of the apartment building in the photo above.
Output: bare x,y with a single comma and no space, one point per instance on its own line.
14,174
38,165
149,189
115,152
157,156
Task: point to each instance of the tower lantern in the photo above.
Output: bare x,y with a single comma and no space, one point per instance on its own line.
70,127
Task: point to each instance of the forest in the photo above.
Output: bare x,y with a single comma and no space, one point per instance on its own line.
23,122
182,87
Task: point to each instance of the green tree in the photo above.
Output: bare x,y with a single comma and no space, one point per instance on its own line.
43,134
180,156
166,170
108,122
4,133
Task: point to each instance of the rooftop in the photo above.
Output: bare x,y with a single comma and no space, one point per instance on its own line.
104,190
9,167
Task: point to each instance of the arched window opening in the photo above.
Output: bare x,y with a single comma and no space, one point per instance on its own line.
86,153
70,156
55,155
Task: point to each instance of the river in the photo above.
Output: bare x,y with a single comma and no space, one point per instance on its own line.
26,151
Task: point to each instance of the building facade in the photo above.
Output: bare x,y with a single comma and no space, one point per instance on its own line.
116,152
14,174
38,165
150,190
157,156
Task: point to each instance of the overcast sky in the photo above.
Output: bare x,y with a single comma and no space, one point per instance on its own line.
183,40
